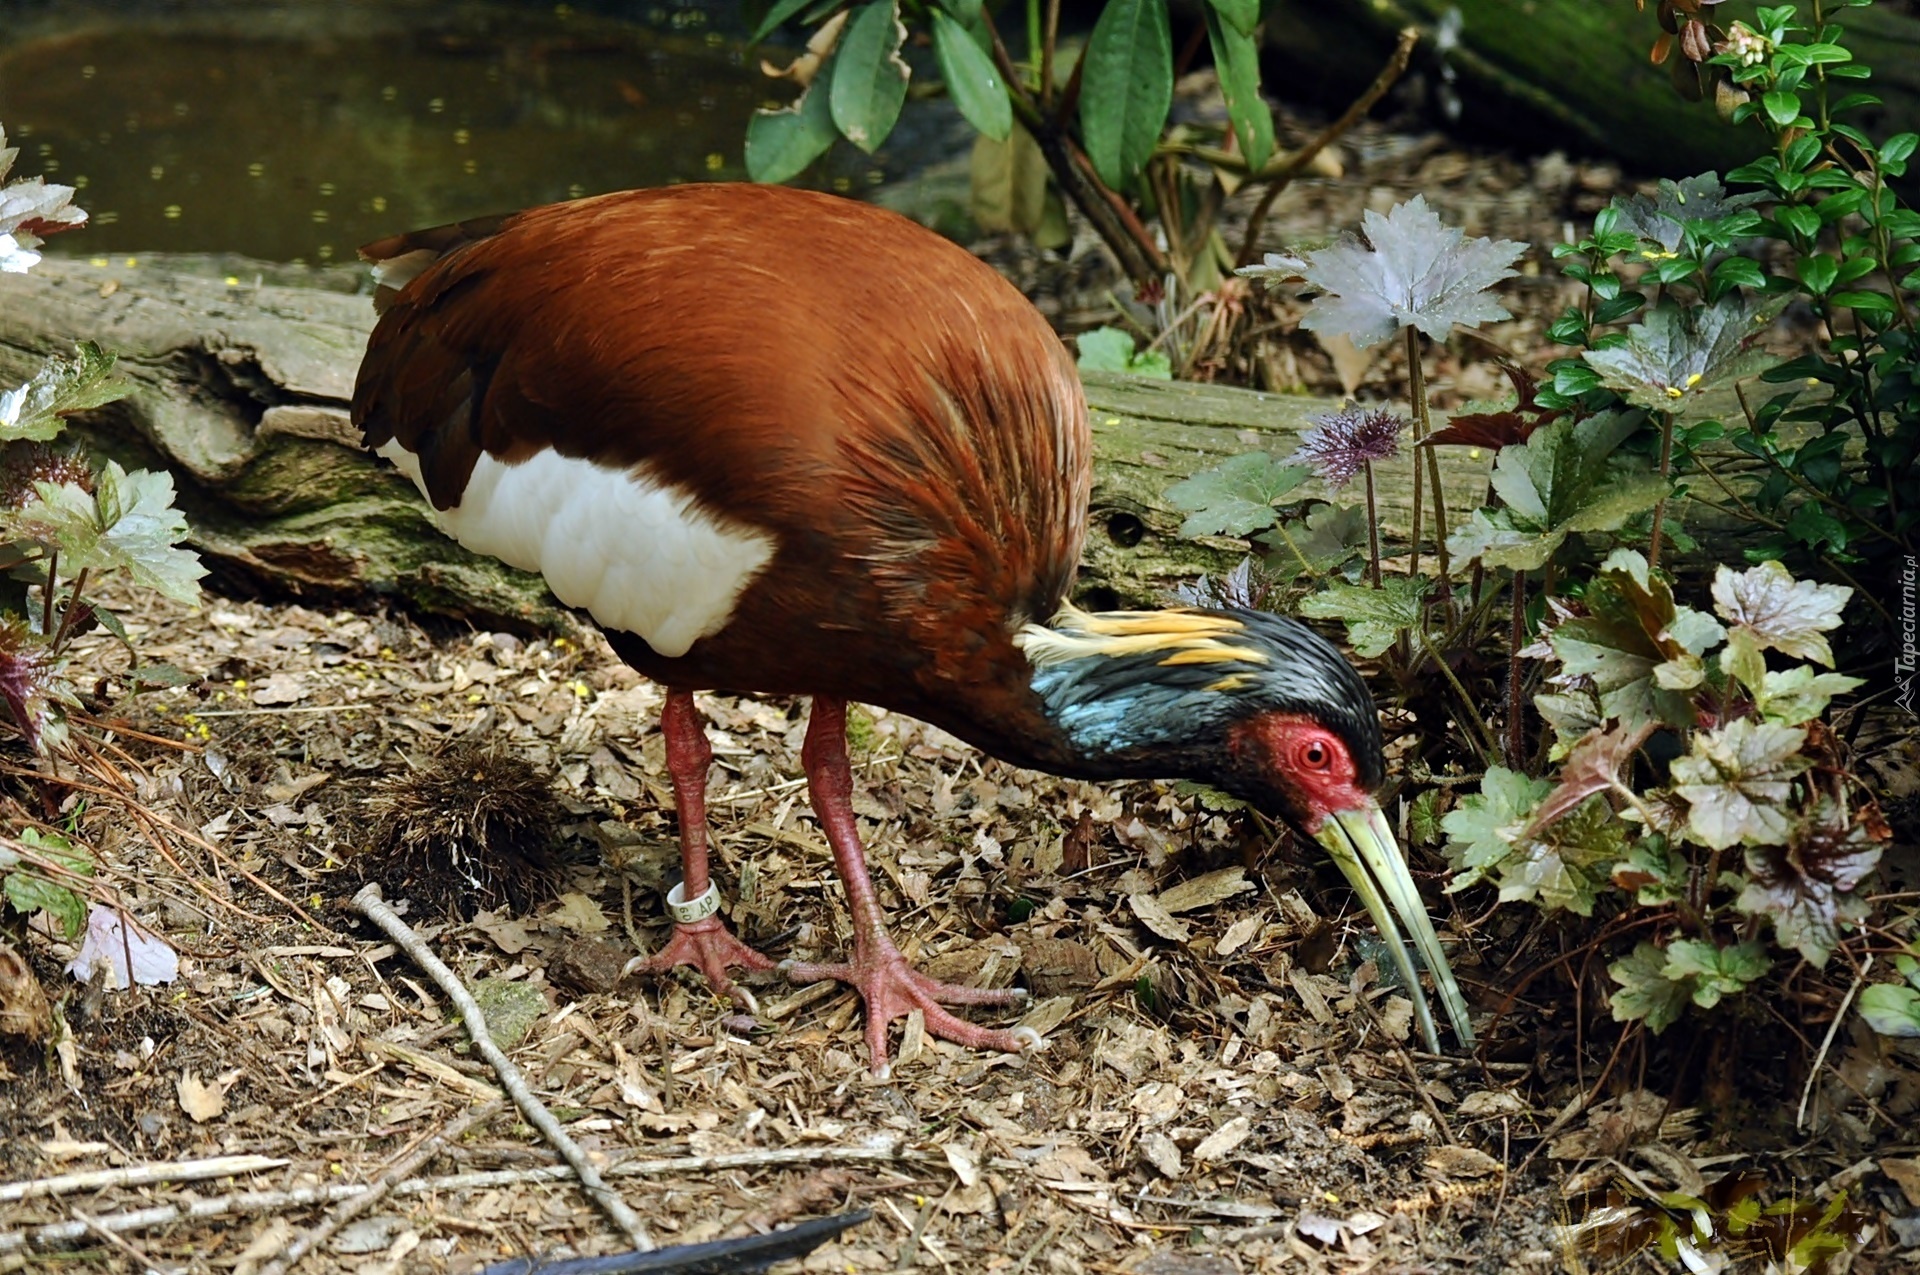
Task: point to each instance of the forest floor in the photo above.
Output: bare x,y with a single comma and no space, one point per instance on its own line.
1227,1086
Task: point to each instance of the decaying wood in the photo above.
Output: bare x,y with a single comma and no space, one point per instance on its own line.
240,387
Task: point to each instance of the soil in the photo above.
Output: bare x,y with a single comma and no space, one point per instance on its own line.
1228,1084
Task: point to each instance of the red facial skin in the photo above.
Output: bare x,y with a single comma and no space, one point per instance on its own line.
1308,766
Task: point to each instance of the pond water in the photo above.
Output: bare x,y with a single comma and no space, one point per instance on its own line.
296,132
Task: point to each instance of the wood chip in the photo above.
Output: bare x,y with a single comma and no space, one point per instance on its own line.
1156,918
1219,1144
1206,890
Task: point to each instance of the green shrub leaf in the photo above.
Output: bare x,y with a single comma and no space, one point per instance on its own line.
869,75
972,79
780,144
1126,88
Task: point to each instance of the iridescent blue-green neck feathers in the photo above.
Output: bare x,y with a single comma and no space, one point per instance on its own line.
1154,693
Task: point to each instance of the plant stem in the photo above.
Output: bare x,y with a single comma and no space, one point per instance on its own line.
1279,177
1489,742
73,604
47,591
1139,255
1422,426
1516,638
1373,528
1666,475
1049,37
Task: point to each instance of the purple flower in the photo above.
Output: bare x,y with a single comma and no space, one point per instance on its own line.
1340,445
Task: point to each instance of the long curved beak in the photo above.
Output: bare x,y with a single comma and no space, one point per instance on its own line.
1362,843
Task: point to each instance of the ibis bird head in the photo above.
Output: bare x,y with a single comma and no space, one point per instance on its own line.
1265,709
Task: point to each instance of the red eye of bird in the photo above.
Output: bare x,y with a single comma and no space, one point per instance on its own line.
1316,755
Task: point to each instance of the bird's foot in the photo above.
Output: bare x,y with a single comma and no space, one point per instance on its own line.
892,989
711,948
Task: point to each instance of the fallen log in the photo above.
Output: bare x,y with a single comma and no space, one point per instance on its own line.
240,381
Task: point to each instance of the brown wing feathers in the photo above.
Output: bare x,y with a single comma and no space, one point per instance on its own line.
896,413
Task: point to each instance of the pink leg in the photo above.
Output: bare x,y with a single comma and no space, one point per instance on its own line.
705,944
891,987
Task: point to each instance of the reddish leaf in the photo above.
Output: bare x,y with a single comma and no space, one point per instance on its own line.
1590,768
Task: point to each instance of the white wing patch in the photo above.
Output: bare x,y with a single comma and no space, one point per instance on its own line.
634,553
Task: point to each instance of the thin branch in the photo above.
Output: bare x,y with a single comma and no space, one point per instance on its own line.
1281,177
223,1166
369,903
243,1203
380,1188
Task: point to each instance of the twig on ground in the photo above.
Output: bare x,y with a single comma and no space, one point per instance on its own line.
242,1203
138,1175
1414,1077
1826,1043
374,908
380,1188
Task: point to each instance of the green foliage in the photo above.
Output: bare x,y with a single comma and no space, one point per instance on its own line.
64,528
1893,1009
1236,496
1126,88
1568,476
30,886
869,75
1685,783
1111,350
1087,119
1374,617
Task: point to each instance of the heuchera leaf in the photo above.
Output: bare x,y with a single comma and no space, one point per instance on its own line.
1781,613
1653,872
126,523
1565,865
1806,886
1646,993
1737,780
1891,1010
1712,971
1679,353
34,410
29,679
1374,617
1632,627
29,889
1411,271
1322,543
1592,767
1494,430
1563,868
30,209
1662,218
1235,497
1567,477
